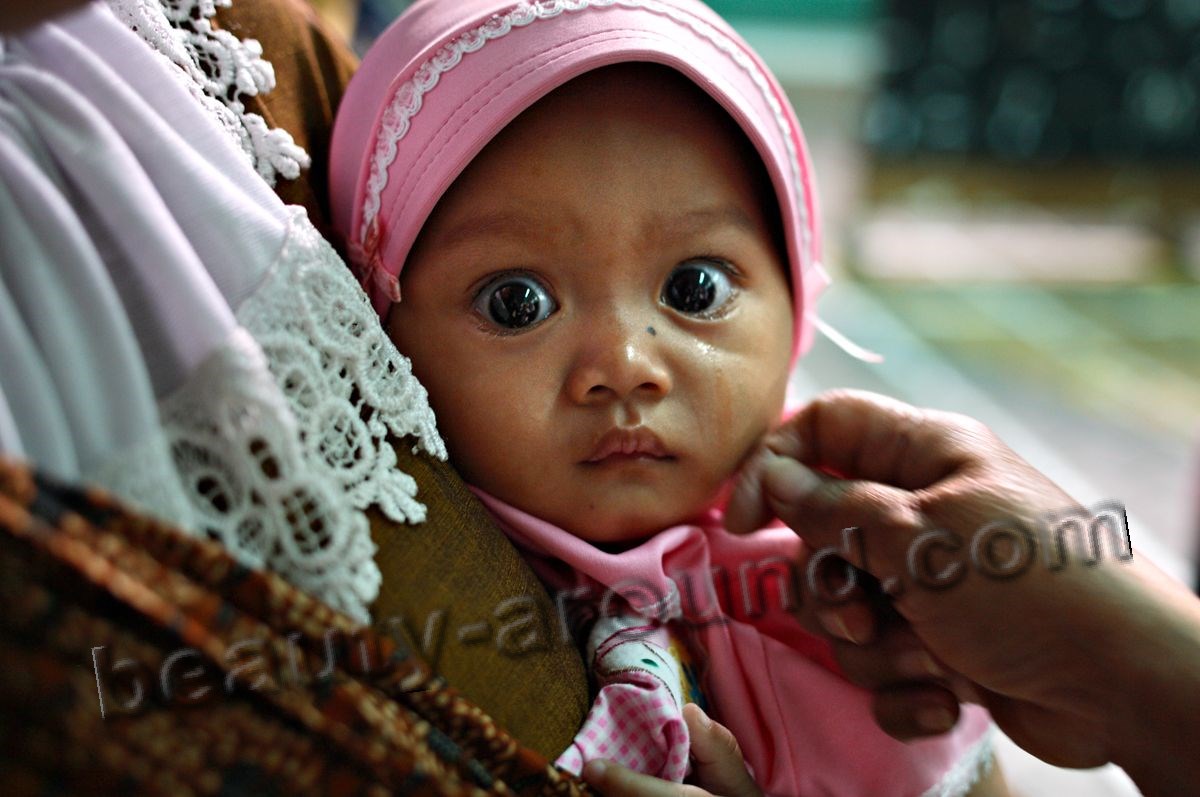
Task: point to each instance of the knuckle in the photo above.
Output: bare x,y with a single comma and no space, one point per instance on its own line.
964,427
728,742
898,516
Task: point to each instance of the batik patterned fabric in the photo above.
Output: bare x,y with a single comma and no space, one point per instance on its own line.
138,659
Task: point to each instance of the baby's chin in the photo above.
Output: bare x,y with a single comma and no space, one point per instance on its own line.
624,533
615,543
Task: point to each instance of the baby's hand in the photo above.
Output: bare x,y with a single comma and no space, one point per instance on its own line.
717,767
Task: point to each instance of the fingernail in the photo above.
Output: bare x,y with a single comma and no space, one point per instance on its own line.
917,665
787,481
783,442
935,719
705,720
833,622
595,769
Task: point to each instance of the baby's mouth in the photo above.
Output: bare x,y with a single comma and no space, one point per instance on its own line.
628,443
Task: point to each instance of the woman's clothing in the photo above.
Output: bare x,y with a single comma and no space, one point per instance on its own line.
173,331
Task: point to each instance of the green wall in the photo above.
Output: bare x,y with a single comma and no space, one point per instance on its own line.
798,10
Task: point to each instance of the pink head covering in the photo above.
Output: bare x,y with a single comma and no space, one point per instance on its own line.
449,75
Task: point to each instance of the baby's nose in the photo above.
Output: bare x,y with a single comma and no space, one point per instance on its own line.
618,361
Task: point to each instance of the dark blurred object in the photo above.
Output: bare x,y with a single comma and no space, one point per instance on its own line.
1040,81
373,18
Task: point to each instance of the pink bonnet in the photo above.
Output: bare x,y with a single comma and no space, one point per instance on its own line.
449,75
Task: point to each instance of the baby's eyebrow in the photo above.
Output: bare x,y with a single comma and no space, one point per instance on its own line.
665,224
497,224
700,219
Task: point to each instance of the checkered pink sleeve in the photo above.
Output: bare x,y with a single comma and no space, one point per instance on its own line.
635,720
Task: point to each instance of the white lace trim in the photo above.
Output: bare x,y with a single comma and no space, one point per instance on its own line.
144,475
407,101
343,377
279,439
218,69
974,765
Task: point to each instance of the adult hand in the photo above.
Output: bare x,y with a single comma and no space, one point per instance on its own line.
717,767
1080,664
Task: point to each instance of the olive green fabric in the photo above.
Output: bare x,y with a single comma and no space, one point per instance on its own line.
456,575
465,598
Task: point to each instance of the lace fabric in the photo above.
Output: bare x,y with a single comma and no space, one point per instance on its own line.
280,438
975,764
218,69
345,382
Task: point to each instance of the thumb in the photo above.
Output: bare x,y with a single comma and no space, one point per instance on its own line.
748,509
719,765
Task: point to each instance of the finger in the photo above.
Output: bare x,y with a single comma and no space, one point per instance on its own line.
747,509
862,435
821,509
896,658
719,764
915,711
834,601
614,780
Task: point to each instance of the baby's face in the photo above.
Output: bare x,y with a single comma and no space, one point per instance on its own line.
598,309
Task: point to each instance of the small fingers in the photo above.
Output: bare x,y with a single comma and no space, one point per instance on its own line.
614,780
719,764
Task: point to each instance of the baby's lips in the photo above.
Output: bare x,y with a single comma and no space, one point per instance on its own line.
624,441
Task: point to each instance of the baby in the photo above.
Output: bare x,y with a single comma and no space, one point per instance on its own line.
601,220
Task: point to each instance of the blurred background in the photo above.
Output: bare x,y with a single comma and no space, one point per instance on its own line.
1011,191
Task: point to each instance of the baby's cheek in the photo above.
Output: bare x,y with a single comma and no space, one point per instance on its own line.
743,410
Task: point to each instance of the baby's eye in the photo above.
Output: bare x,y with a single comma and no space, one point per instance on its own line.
699,288
515,302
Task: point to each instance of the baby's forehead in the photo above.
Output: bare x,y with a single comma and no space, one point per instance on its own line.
650,95
620,113
578,145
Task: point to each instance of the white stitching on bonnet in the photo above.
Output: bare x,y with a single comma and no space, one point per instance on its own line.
407,101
